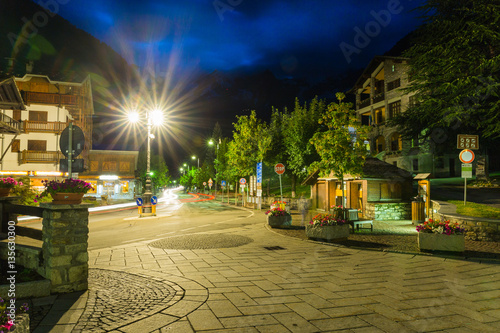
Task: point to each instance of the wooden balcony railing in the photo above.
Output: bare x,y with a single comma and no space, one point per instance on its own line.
47,98
9,125
43,126
364,103
379,97
31,156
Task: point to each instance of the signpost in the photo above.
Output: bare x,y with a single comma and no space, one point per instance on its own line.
465,141
139,204
467,157
259,183
280,169
243,181
71,143
154,201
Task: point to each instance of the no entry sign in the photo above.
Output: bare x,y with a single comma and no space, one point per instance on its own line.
279,168
466,156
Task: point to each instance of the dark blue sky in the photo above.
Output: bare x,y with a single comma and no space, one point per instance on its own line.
293,38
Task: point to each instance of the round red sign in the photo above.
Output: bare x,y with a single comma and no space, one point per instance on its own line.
279,168
466,156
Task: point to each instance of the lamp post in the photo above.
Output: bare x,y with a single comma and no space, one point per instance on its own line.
211,143
134,117
194,158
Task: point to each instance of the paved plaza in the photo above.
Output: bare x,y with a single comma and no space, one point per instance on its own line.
248,278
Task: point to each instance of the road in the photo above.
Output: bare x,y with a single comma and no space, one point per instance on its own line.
117,225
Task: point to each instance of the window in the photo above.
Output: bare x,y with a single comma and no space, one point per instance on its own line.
393,84
16,115
16,146
379,116
380,144
415,164
38,115
395,109
411,101
37,145
396,142
393,68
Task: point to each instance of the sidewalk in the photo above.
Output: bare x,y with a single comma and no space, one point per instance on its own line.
250,279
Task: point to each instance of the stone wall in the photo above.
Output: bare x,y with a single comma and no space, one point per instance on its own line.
65,242
388,211
481,229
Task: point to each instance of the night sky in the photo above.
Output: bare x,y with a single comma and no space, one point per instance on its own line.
290,37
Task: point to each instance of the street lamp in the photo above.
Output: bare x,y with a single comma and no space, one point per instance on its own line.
153,117
194,158
211,143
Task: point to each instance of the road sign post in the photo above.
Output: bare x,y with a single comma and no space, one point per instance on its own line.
280,169
259,184
467,157
243,181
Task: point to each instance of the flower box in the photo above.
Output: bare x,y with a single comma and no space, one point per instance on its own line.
328,232
441,242
279,221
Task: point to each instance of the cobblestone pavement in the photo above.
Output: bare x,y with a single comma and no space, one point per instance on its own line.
395,236
284,284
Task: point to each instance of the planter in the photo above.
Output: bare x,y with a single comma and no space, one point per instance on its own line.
330,232
441,242
286,208
67,198
4,192
22,324
279,221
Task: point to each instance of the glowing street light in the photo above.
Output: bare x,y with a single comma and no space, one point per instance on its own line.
194,158
154,117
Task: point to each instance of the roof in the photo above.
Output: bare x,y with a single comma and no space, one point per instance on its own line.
370,68
10,97
372,169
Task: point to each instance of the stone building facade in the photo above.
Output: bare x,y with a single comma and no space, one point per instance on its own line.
379,97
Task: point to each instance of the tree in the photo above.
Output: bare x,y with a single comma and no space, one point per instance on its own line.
298,129
342,146
159,170
455,69
250,143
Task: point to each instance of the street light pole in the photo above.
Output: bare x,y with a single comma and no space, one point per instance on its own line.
147,193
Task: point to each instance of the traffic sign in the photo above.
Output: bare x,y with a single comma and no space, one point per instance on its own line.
210,182
154,200
465,141
204,183
223,183
279,168
466,170
77,141
139,202
466,156
243,181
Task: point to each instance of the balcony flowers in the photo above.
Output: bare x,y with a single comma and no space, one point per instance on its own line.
9,182
437,227
66,186
441,236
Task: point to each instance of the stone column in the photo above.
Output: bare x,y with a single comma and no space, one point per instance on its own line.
65,244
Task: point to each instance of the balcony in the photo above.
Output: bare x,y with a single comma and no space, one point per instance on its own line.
364,103
46,98
9,125
43,126
32,156
378,97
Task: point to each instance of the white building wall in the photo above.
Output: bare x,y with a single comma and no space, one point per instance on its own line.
10,161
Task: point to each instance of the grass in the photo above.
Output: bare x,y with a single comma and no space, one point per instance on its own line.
476,210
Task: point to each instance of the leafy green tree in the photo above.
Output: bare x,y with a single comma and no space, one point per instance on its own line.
250,142
298,129
455,69
159,170
341,146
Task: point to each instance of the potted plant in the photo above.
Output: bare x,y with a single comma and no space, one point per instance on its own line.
278,217
6,184
13,318
68,191
327,226
337,211
441,236
281,204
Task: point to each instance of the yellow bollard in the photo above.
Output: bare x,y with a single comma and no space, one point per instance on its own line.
153,209
140,209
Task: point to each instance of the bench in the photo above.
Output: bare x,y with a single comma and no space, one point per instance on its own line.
355,222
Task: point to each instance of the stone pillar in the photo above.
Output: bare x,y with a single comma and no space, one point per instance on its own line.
65,243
